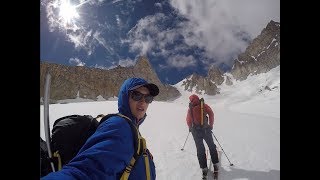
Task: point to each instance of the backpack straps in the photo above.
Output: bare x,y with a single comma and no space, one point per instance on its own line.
138,142
57,155
190,107
134,129
146,158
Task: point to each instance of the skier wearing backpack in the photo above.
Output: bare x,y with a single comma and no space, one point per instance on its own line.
201,129
108,153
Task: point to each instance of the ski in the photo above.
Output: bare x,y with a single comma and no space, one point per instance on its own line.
46,116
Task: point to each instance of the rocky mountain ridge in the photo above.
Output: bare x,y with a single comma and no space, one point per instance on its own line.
262,55
70,82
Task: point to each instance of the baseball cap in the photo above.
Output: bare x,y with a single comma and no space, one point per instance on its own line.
153,89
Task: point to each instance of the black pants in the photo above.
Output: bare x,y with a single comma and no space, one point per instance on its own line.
204,134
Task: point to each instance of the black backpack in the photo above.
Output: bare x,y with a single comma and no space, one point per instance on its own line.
44,159
69,133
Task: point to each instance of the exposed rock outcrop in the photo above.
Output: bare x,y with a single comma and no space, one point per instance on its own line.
205,85
68,82
261,55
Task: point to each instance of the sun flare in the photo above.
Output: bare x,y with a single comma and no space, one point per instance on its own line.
68,12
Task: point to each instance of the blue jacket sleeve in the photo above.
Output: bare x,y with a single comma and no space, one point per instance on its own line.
104,156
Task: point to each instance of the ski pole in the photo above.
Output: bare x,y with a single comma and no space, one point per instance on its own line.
222,150
185,141
46,117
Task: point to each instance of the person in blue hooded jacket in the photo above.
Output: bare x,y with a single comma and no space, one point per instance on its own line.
108,152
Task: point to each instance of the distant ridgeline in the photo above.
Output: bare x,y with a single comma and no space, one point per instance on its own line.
262,55
70,82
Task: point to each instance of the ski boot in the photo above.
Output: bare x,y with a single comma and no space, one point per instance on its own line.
204,173
216,171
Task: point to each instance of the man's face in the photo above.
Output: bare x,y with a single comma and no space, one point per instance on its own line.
139,107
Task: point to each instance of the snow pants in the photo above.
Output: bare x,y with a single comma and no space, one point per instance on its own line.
204,134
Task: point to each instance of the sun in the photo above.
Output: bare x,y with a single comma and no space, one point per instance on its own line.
67,12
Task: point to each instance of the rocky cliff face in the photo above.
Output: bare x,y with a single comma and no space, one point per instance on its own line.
68,82
205,85
261,55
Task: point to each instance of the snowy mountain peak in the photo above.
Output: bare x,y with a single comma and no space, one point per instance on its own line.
261,55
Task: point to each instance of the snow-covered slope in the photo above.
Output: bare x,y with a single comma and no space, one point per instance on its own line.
247,126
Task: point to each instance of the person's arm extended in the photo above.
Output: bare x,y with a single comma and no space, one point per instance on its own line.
104,156
211,115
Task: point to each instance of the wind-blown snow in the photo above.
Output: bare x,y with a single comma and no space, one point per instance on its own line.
247,126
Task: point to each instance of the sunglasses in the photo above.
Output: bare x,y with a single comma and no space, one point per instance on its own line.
137,96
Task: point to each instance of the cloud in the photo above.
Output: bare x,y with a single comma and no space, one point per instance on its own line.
83,41
115,1
100,67
101,40
119,22
122,62
219,29
76,61
150,36
142,45
144,35
222,27
158,5
181,61
251,15
127,62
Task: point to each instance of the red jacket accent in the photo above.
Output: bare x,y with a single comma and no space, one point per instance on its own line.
196,110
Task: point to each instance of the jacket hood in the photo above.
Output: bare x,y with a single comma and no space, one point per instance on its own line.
194,100
123,97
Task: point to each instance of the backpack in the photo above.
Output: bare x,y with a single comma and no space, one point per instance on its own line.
44,159
69,133
204,123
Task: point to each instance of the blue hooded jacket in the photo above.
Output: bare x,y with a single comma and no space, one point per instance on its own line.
109,150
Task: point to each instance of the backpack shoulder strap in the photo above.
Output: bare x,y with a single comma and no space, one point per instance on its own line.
134,129
136,137
138,151
190,108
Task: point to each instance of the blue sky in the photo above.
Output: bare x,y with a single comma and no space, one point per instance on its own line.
179,37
